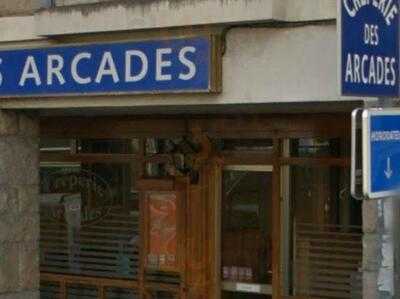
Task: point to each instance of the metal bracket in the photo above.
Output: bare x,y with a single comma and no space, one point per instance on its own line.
356,161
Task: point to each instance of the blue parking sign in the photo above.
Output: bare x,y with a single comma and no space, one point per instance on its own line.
370,54
381,152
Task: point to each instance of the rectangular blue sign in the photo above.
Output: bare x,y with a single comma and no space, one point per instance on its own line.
370,48
174,65
381,157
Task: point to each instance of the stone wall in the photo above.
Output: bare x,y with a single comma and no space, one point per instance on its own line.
381,260
19,7
78,2
19,206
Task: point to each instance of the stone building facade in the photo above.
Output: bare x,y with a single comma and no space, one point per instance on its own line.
278,57
19,206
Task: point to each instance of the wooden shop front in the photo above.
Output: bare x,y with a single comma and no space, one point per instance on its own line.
238,206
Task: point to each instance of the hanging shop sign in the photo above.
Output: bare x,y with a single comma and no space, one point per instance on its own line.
381,152
370,47
154,66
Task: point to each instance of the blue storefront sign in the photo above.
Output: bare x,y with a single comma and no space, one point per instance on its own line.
381,156
369,37
155,66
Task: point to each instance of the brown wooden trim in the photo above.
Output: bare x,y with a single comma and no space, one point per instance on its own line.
276,126
142,244
162,287
102,293
216,62
110,127
246,158
316,162
103,158
276,222
95,281
236,126
63,289
155,185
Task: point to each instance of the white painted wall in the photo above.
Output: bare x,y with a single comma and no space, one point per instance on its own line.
261,65
16,29
135,15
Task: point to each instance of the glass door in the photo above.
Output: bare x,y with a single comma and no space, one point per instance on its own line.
246,232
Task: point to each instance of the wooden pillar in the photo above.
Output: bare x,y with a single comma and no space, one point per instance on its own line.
276,223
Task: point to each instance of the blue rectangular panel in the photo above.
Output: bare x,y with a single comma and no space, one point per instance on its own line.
369,48
383,155
177,65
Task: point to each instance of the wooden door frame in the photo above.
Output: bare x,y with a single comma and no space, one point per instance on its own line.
274,163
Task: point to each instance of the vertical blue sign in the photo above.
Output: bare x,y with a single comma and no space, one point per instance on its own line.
369,37
381,156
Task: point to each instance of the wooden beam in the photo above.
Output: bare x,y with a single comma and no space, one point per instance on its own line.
104,158
93,281
110,127
276,222
246,158
276,126
242,126
317,162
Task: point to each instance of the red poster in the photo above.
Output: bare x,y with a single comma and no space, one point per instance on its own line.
162,228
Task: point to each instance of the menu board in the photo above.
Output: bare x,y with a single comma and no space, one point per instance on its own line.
162,231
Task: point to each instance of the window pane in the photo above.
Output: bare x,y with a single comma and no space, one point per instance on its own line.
162,295
265,145
117,293
319,147
326,232
108,146
246,226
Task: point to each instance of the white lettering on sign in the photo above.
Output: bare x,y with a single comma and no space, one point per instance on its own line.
30,72
135,68
387,8
189,64
107,68
372,70
385,135
74,68
371,35
55,64
163,63
128,70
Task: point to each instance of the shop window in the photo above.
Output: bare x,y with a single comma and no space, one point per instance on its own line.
118,293
89,214
327,234
78,291
321,196
49,290
56,145
232,295
246,232
108,146
245,145
319,147
175,157
161,295
90,146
